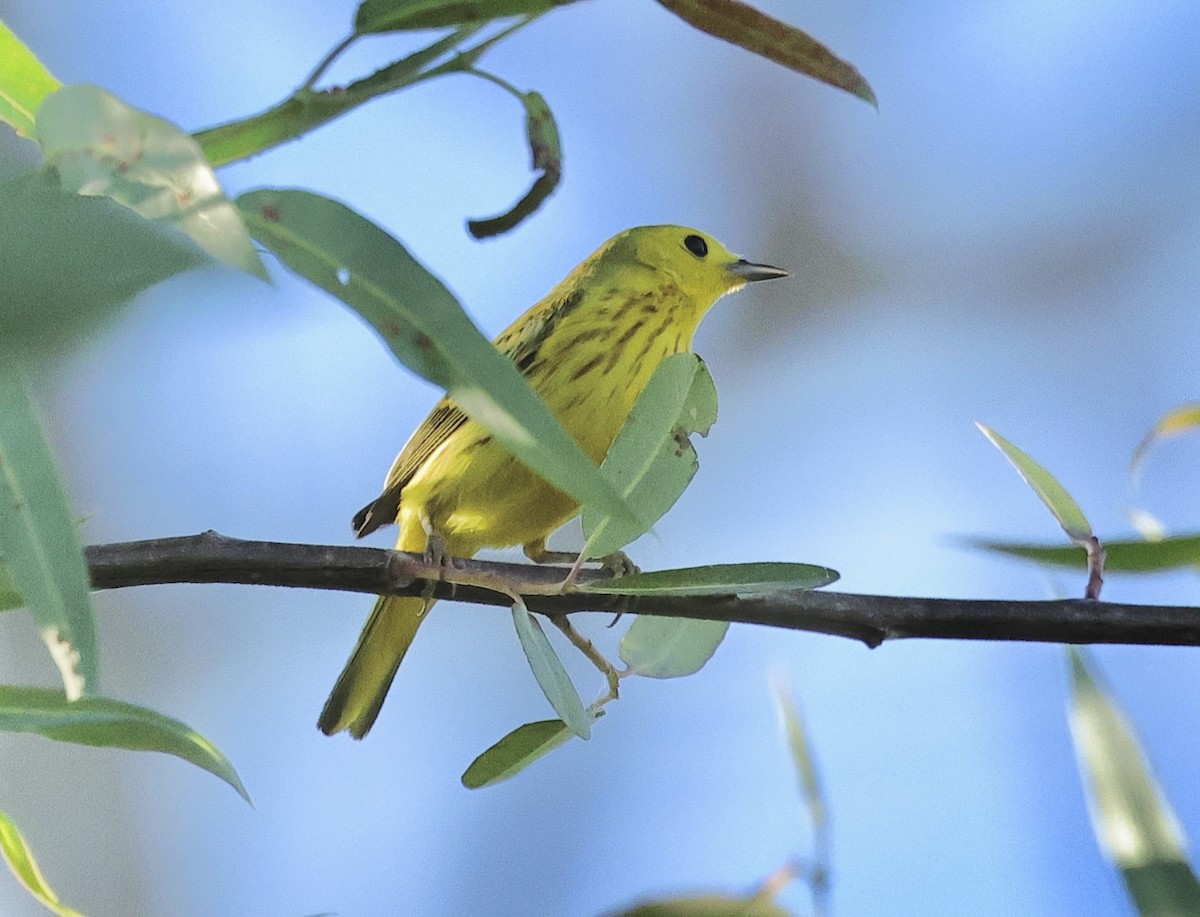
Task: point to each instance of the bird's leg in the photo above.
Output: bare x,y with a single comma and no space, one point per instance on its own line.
616,564
435,554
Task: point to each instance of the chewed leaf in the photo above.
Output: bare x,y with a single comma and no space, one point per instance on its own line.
24,83
777,41
425,327
718,579
546,150
1133,821
98,145
551,676
39,540
515,752
107,723
17,853
670,647
1123,556
1183,419
376,16
652,459
1045,485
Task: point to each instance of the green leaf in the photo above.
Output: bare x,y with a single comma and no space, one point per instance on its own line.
776,41
1133,821
427,330
376,16
706,906
67,262
718,579
805,765
670,647
548,669
19,857
308,109
24,82
546,150
1183,419
10,598
38,538
106,723
100,146
515,752
1122,556
652,460
1044,484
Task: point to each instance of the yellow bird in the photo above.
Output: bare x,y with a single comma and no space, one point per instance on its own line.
588,348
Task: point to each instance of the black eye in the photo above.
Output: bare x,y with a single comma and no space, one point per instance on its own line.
696,245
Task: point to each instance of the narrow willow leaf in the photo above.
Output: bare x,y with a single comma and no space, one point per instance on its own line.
375,16
705,906
19,857
24,83
546,150
98,145
811,791
1123,556
10,598
1183,419
718,579
107,723
777,41
67,262
428,331
548,669
670,647
652,460
515,752
39,540
1044,484
1132,819
308,109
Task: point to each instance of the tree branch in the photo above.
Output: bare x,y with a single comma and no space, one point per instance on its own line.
214,558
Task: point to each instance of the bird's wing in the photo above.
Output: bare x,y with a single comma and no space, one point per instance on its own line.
521,343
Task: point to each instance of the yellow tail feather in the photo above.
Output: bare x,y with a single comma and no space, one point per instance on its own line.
364,683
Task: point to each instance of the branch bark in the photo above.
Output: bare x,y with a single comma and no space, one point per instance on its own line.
213,558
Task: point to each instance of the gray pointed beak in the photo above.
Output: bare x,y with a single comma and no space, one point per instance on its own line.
749,272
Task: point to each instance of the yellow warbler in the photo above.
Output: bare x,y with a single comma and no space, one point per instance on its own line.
588,349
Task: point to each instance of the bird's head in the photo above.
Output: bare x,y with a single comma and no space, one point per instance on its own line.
699,265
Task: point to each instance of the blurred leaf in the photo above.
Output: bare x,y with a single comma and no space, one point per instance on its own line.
802,760
659,647
107,723
1183,419
100,146
515,752
24,82
652,461
399,15
546,149
66,262
426,328
38,538
10,598
777,41
1044,484
308,109
705,906
19,857
548,669
1133,821
1123,556
718,579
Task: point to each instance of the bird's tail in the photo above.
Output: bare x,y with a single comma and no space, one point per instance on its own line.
364,682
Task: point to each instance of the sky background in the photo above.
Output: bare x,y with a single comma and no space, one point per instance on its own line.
1011,238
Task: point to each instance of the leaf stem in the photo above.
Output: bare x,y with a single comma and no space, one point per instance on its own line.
327,61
